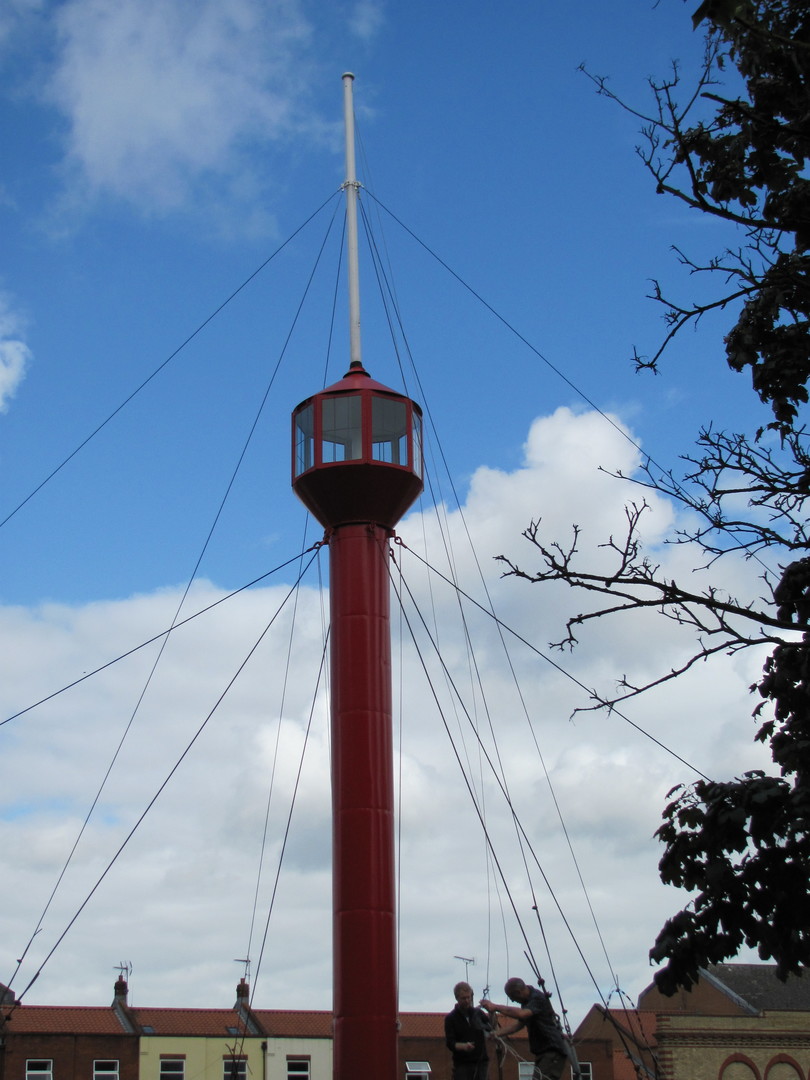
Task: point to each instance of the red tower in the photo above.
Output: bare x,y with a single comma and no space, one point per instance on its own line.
357,467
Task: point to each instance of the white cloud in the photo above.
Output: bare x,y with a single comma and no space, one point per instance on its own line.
366,18
162,99
178,903
15,356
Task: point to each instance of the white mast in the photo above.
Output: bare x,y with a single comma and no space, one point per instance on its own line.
351,187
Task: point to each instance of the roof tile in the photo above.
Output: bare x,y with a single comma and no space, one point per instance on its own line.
63,1020
210,1022
758,985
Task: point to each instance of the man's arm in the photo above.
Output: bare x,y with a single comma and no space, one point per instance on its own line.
504,1033
514,1012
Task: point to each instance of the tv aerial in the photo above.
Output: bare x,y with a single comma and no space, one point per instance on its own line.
466,961
247,966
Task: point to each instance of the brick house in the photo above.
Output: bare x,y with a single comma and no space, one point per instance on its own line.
296,1034
738,1022
43,1042
293,1035
617,1044
122,1042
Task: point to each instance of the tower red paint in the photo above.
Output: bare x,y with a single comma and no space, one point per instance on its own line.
357,466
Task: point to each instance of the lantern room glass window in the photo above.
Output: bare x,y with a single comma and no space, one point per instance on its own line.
304,439
416,421
389,431
341,428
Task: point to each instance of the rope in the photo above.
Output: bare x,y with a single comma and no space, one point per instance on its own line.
167,361
390,303
553,663
470,789
512,811
271,905
161,788
577,390
156,637
164,638
273,769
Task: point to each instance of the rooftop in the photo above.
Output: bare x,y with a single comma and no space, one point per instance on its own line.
758,985
209,1023
63,1020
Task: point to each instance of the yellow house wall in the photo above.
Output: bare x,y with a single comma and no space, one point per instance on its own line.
203,1056
724,1047
318,1050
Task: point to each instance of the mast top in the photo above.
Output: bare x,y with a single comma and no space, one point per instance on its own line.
350,186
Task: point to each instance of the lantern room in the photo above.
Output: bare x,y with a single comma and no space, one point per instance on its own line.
357,452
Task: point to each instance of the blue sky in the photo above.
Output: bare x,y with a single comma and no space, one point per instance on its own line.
155,155
479,133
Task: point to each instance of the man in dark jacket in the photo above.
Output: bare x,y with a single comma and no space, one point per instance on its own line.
534,1012
466,1029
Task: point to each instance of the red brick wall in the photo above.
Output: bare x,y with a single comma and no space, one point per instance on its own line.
599,1052
432,1050
72,1055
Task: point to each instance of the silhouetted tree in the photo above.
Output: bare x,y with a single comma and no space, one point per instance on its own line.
742,846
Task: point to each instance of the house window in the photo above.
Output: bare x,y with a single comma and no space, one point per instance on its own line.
298,1068
172,1068
417,1070
105,1070
39,1069
234,1068
526,1070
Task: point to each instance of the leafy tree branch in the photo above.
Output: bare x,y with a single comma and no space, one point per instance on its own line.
734,145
